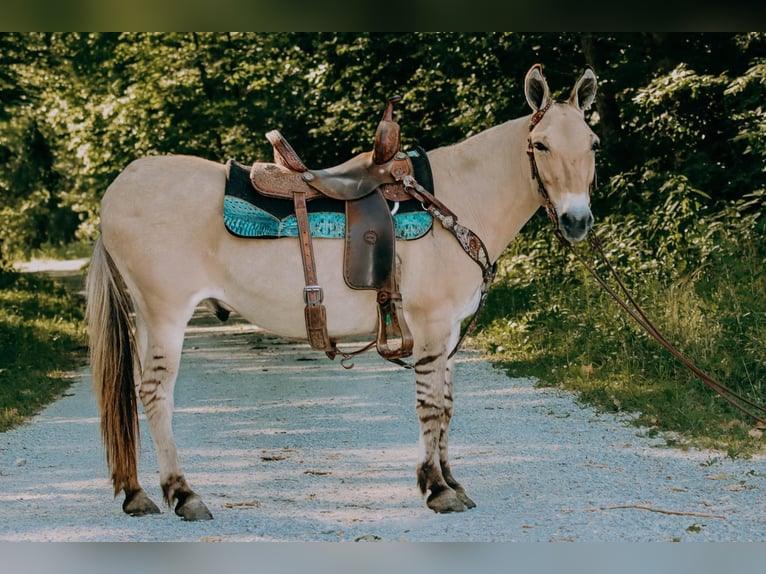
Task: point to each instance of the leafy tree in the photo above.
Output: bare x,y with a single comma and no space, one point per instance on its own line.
679,114
31,209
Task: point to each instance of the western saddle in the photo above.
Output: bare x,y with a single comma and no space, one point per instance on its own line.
364,183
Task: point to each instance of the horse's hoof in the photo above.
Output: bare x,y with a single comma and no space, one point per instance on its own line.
138,503
464,498
446,501
192,508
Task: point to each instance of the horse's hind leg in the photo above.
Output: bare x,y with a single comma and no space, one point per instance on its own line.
161,346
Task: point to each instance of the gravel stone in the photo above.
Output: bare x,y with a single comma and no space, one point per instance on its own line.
284,445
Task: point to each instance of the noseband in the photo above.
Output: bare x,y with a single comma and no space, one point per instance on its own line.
550,209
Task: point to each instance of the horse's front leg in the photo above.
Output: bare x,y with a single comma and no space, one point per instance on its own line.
434,410
449,380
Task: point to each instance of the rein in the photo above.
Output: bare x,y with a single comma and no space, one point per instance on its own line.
627,301
737,400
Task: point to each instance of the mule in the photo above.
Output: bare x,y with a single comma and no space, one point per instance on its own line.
162,267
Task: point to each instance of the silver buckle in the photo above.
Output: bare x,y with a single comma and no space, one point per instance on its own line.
313,290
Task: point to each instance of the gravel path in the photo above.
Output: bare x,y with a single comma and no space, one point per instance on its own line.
284,445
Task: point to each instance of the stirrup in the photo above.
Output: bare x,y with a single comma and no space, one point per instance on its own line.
390,310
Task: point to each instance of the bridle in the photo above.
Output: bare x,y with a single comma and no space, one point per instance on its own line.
626,300
550,209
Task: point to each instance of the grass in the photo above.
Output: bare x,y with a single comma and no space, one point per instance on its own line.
548,319
42,336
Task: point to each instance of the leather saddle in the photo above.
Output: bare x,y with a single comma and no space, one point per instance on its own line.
364,183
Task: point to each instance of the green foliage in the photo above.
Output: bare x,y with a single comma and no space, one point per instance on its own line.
704,292
83,106
41,335
77,108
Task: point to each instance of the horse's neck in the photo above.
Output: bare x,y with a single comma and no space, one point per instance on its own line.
486,181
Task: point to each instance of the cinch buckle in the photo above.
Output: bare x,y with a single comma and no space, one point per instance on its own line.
313,295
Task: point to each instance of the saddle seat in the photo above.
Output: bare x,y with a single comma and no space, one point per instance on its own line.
364,183
352,179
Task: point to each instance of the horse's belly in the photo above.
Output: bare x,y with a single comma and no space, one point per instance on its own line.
264,282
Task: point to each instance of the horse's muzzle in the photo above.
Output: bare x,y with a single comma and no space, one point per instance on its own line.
575,226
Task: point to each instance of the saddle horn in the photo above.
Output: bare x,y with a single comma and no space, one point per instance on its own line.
387,137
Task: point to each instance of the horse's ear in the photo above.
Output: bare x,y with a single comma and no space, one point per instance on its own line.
536,88
584,91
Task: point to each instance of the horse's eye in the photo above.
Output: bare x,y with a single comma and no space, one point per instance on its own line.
596,146
540,146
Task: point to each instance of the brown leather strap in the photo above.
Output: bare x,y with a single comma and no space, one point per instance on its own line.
284,153
390,309
468,240
279,181
629,304
315,312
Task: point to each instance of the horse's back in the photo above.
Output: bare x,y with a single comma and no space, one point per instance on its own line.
156,186
163,196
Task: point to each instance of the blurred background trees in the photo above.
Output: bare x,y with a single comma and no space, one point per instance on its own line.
680,115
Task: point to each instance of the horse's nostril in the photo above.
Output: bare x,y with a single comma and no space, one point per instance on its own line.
576,226
571,221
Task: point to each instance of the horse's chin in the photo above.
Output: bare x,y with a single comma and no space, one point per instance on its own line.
575,237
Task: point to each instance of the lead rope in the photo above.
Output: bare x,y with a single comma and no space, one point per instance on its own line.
631,306
637,313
